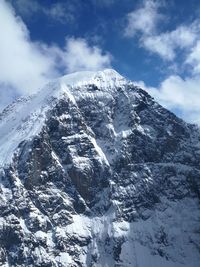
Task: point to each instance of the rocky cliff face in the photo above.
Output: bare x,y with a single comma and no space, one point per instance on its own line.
94,172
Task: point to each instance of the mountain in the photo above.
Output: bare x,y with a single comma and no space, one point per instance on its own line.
95,173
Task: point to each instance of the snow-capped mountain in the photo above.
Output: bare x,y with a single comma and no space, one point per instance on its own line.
94,172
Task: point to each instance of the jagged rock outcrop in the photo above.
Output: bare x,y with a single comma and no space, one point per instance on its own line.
94,172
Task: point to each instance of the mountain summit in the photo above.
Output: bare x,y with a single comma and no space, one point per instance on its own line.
24,118
95,173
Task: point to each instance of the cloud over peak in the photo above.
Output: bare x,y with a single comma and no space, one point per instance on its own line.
80,56
26,65
21,59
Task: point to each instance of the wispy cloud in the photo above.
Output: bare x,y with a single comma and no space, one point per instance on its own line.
63,12
22,62
145,22
166,44
178,94
144,19
26,65
80,56
193,58
175,93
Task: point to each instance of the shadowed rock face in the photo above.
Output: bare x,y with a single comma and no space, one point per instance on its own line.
111,179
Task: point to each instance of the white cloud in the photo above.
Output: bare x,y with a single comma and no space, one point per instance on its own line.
179,95
25,7
26,65
193,58
144,19
22,64
79,56
165,44
175,93
161,45
60,11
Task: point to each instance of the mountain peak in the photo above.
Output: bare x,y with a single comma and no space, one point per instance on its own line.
31,111
106,76
93,174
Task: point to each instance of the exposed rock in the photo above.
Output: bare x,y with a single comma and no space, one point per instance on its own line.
96,173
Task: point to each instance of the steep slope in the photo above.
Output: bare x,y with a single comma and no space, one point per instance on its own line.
94,172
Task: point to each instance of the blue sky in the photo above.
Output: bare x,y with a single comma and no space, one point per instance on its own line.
156,43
